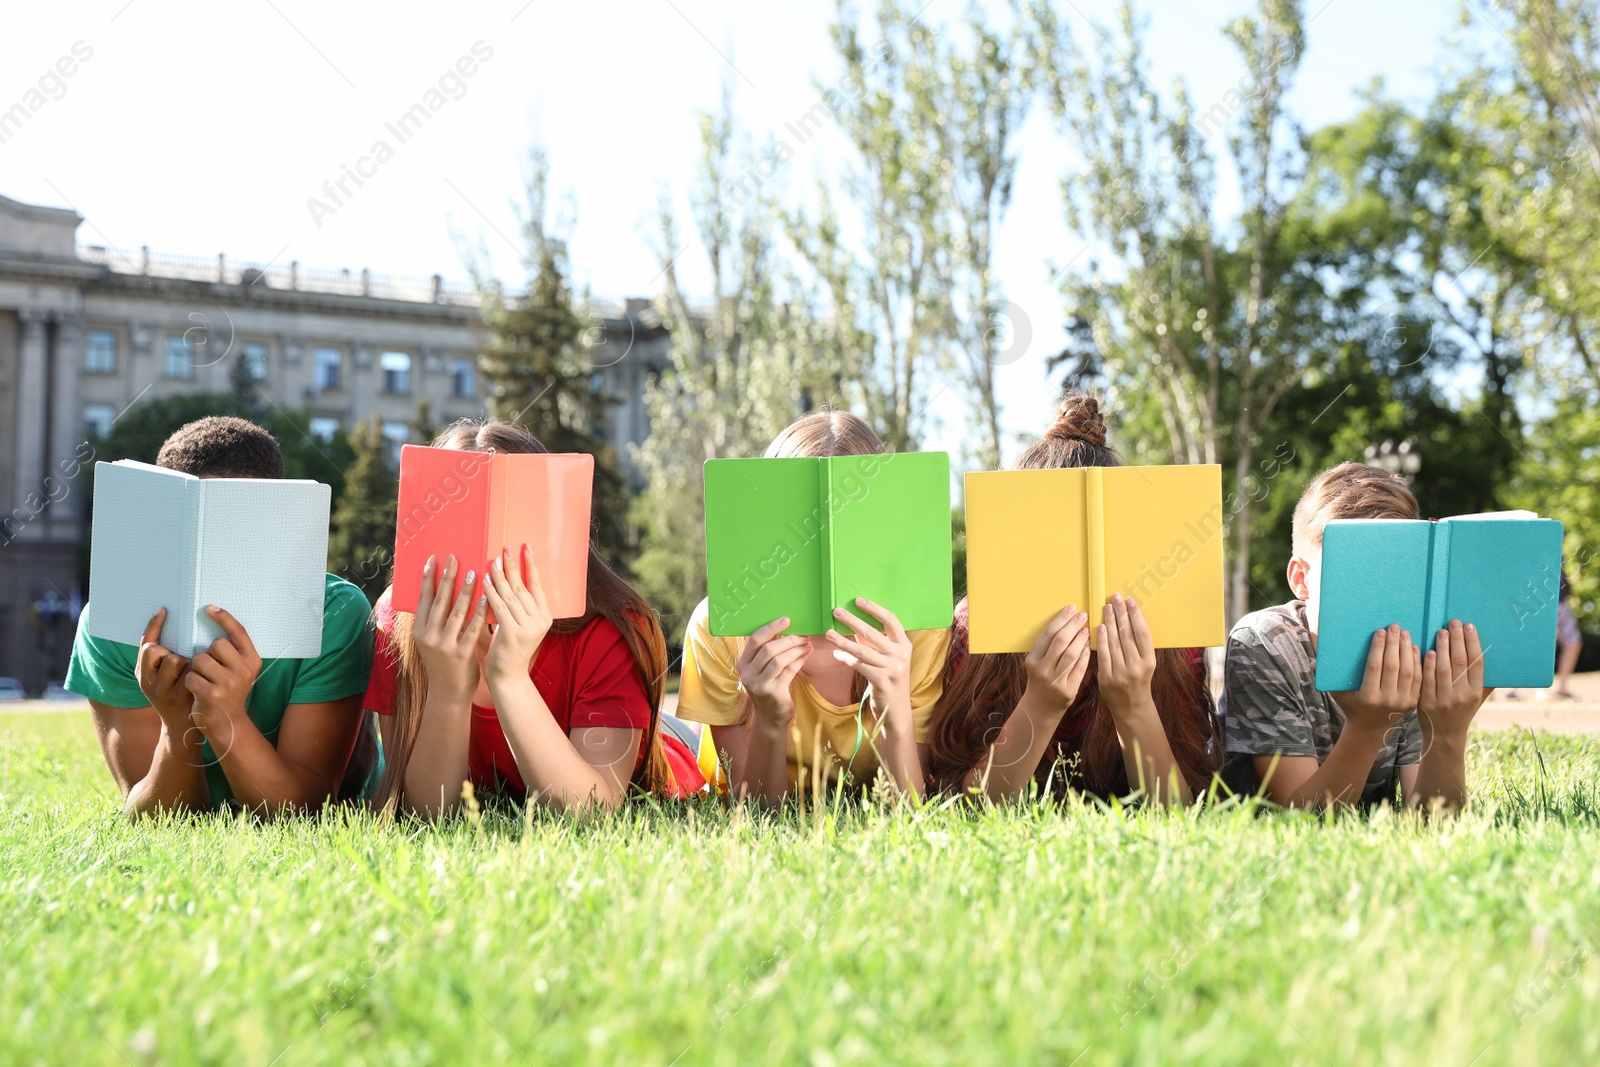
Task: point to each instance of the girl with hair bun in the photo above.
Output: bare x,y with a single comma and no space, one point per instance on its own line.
1128,716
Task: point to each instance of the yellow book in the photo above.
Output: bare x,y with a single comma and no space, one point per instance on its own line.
1040,540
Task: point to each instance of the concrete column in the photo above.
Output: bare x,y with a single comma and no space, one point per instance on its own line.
66,417
31,393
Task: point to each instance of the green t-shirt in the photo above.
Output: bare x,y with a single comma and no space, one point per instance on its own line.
103,670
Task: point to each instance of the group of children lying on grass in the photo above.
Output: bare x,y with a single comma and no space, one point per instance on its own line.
402,710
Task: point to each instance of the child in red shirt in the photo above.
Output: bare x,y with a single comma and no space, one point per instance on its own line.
565,711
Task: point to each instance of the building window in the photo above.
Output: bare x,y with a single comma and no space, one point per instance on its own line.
100,352
255,360
180,358
97,420
324,430
396,433
396,372
328,361
463,378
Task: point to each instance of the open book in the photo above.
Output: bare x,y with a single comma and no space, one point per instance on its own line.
473,504
1500,571
1040,540
255,547
799,537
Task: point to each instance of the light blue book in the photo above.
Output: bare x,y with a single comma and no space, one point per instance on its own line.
255,547
1501,572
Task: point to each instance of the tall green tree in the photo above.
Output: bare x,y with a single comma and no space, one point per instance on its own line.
743,365
1194,314
361,527
536,368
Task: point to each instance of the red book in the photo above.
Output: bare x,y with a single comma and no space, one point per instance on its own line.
473,504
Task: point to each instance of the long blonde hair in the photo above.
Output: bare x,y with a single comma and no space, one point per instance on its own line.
608,596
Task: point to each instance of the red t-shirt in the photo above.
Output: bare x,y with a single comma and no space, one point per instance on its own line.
587,677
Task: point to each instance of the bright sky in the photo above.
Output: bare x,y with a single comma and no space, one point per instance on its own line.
199,128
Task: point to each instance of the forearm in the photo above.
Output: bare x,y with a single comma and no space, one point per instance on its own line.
1442,774
1008,768
438,764
763,773
550,766
1341,778
898,753
176,780
1147,754
261,779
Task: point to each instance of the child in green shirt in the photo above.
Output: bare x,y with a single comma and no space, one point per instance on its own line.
229,727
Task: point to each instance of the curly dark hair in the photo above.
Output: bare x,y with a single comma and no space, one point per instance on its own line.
221,446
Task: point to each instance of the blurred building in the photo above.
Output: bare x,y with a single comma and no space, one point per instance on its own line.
87,331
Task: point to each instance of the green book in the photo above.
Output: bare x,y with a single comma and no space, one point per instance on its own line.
800,537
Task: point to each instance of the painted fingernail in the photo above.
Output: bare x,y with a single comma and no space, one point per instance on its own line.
428,566
469,578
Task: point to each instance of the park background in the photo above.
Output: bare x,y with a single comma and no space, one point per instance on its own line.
1272,237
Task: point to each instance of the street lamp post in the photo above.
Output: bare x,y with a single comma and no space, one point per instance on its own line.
1404,459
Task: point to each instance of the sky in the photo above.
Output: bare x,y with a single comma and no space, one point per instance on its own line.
197,128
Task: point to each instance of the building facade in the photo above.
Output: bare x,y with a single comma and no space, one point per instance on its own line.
87,332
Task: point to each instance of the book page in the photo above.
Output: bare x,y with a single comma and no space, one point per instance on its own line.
1505,579
443,510
1164,536
766,532
142,555
891,536
544,500
1374,573
1027,542
263,557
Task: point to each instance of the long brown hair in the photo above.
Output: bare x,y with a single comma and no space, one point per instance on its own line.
608,596
981,691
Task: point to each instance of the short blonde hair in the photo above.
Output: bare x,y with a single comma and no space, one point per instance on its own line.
1349,491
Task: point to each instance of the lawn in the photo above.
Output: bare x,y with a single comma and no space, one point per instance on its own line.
858,935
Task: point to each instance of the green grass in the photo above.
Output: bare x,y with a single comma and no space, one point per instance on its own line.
697,935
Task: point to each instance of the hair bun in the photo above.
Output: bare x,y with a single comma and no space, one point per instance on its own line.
1079,420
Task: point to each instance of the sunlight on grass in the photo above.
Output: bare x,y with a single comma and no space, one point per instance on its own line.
1036,934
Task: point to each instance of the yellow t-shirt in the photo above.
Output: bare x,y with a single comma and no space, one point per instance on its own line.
710,693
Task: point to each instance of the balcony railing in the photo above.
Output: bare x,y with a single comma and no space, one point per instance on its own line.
291,276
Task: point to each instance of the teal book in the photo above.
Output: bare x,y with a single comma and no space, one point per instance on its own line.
1501,572
799,537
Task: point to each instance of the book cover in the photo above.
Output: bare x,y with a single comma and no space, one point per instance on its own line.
1499,572
1040,540
800,536
473,504
255,547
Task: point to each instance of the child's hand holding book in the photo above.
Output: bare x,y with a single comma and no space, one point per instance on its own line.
221,677
1452,688
446,632
768,666
161,674
1390,685
522,616
883,659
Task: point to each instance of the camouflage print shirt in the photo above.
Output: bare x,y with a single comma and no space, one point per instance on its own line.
1270,704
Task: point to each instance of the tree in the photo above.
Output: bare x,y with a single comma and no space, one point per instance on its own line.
743,366
362,526
933,115
537,373
885,294
1193,315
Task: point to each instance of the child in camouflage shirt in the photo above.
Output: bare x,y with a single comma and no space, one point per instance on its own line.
1305,748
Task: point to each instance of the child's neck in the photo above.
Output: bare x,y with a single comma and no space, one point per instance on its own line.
833,680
